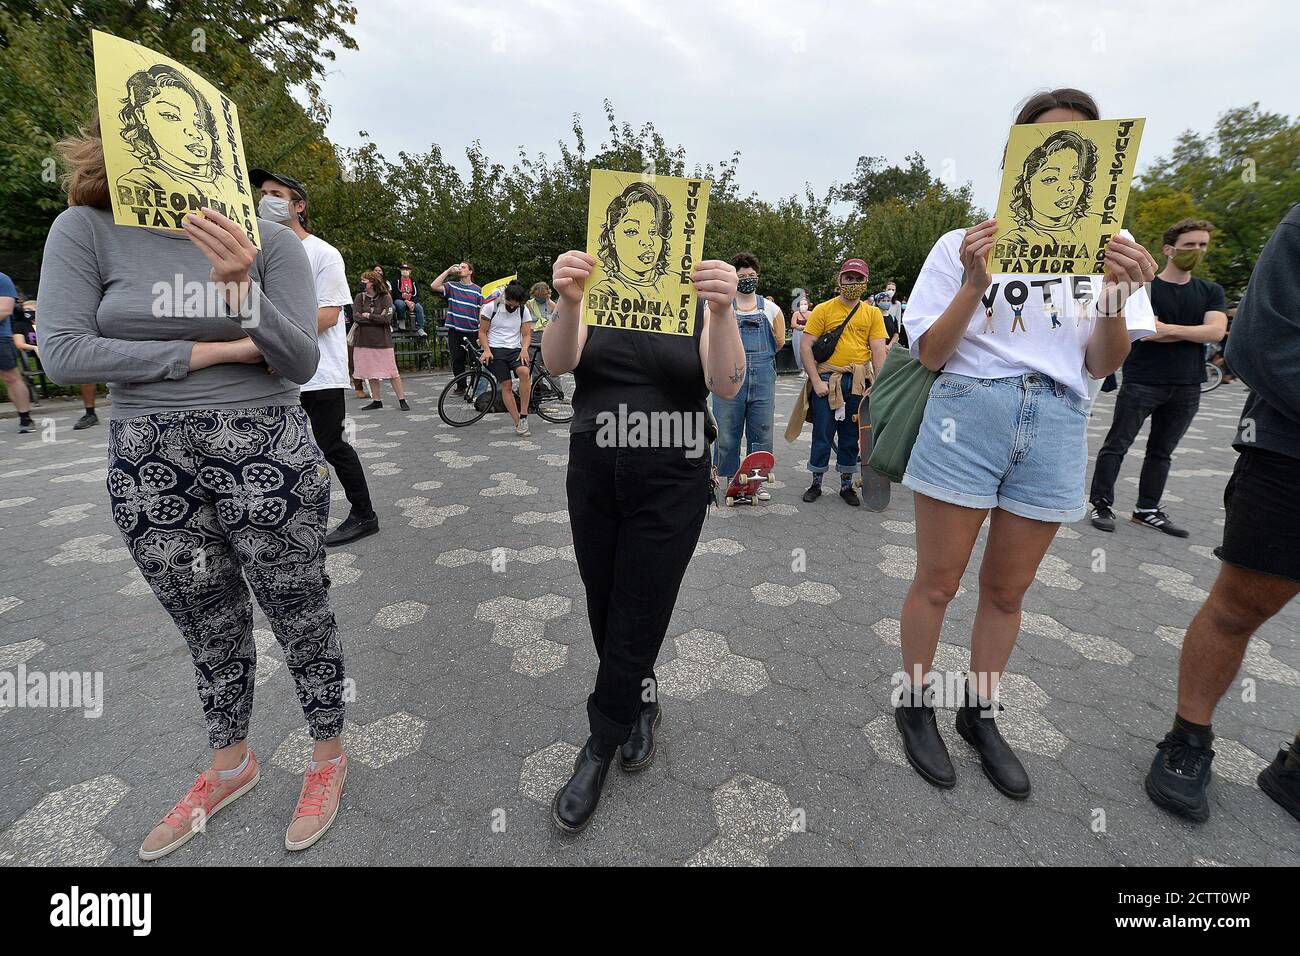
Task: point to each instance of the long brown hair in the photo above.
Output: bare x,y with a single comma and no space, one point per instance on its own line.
378,284
85,177
1065,98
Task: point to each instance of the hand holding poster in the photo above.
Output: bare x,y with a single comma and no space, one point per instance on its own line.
171,140
1064,190
646,233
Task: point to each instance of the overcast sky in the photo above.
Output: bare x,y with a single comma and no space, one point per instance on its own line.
803,88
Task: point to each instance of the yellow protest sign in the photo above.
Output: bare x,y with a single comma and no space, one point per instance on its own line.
1064,190
171,140
496,287
645,232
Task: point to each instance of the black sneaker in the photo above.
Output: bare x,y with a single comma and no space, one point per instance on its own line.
351,528
1180,775
1160,521
401,403
1282,783
814,492
850,496
372,406
1103,519
26,426
86,420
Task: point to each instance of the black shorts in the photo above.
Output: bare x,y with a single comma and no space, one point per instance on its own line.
504,361
8,354
1262,529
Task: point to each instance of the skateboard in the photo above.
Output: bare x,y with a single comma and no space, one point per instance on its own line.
748,481
875,487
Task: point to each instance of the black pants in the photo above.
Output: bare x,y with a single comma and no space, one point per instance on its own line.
455,340
326,409
1171,409
636,515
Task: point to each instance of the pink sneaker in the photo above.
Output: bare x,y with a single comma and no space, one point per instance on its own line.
318,804
190,816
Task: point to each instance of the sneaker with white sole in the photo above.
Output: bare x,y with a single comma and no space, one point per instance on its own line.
190,816
521,427
1160,521
318,804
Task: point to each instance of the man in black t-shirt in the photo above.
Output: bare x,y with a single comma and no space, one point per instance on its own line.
1162,379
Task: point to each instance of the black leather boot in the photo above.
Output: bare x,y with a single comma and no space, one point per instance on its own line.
576,801
924,748
979,728
639,750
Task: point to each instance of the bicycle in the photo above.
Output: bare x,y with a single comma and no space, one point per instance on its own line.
475,392
1213,372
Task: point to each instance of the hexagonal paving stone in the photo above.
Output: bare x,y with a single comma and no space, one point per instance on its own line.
422,515
399,615
60,829
752,813
521,625
374,745
1173,581
545,771
704,661
507,483
540,657
1091,646
779,595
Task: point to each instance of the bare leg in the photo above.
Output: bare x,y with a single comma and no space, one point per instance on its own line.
324,750
1012,555
88,394
1239,603
508,396
945,535
525,388
396,382
375,394
17,389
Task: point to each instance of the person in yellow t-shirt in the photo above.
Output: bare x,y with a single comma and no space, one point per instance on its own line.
863,341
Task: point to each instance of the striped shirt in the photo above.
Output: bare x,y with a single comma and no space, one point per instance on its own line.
464,300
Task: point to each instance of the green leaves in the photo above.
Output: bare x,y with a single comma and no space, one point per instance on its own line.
1243,177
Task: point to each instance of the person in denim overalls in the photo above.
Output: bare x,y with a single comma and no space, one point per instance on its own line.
762,331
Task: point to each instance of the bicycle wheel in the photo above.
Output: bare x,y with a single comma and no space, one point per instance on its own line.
1213,377
475,398
552,398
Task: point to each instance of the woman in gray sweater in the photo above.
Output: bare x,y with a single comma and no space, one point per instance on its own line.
213,475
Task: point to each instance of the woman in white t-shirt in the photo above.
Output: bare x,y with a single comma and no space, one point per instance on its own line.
1004,437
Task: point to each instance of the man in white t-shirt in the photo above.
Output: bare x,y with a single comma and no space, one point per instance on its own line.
505,331
284,200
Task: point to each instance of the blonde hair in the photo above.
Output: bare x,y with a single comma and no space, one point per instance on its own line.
85,177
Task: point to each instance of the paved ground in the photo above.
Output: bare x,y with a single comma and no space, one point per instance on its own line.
776,747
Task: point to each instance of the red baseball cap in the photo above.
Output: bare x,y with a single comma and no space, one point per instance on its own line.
854,265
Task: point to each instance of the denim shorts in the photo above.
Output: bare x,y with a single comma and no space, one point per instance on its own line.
1019,444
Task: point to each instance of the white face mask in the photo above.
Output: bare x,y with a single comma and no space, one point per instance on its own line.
275,209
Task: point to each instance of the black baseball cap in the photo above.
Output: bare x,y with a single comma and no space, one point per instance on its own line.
259,176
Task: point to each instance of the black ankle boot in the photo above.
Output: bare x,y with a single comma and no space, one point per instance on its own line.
576,801
639,750
924,748
979,728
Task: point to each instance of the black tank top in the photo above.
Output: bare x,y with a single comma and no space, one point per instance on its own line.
646,371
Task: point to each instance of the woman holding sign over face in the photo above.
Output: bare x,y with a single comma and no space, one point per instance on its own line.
1003,437
636,508
214,478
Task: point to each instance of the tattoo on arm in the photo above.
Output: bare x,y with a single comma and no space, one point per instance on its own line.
738,375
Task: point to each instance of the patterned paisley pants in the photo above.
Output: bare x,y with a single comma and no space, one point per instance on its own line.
209,498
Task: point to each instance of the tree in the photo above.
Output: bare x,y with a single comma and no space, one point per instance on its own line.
1242,177
259,52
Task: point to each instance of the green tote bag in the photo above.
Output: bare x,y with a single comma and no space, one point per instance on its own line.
897,406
